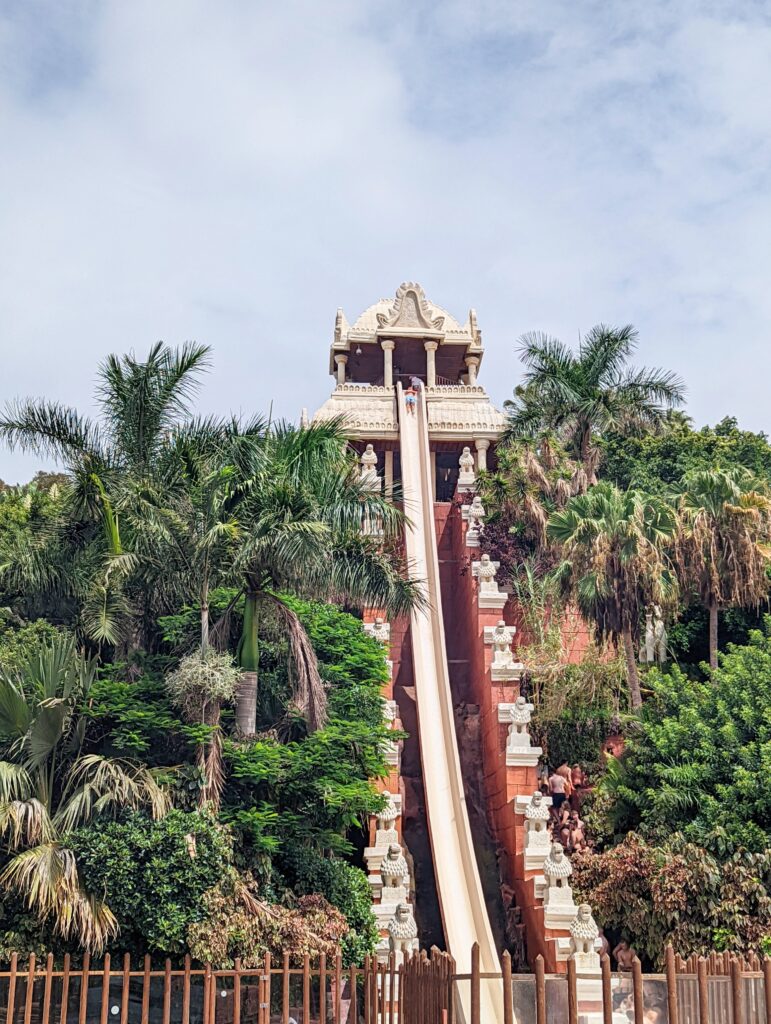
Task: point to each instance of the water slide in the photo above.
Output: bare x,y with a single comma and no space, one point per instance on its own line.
461,899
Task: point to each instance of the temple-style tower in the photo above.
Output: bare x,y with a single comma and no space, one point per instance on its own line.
398,339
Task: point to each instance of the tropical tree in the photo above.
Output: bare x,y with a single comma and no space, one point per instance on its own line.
580,395
49,787
304,514
723,543
88,555
615,562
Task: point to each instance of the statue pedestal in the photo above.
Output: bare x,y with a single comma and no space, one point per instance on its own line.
523,757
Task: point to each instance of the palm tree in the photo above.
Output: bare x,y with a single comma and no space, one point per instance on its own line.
89,557
615,564
579,395
533,478
49,787
301,515
723,542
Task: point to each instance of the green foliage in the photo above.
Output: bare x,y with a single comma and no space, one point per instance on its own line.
701,756
202,679
576,736
677,892
153,874
17,644
347,888
654,462
238,924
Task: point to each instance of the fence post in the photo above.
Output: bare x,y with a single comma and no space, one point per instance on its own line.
47,989
146,993
540,990
236,988
737,994
65,986
607,991
508,1003
701,975
11,990
637,991
476,1000
185,992
167,991
767,980
285,990
105,1006
126,986
672,1002
30,988
323,988
572,993
83,1007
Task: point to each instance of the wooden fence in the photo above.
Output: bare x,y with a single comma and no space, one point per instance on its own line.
718,989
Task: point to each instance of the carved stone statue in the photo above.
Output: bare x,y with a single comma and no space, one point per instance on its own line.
369,477
659,635
557,868
466,477
486,572
520,713
502,656
386,833
537,816
402,930
583,931
393,870
654,647
475,515
380,630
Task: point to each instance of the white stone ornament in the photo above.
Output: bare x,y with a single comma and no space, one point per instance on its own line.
386,833
402,931
520,713
558,898
537,815
466,478
584,934
504,668
395,875
489,596
474,514
391,713
379,629
369,477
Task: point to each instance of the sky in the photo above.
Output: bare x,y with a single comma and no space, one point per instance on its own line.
232,171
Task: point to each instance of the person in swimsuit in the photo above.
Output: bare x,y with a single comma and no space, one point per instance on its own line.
557,787
411,399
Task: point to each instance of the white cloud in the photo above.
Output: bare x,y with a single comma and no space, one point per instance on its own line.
234,171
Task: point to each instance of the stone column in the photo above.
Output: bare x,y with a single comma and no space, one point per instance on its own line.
388,362
430,347
482,444
433,475
388,472
340,363
472,362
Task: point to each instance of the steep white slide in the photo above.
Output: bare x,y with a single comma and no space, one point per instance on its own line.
464,914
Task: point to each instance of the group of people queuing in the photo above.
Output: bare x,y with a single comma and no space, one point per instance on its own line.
566,787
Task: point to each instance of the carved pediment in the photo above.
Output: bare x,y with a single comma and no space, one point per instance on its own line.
410,311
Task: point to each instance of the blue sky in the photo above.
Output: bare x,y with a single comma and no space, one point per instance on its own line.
233,171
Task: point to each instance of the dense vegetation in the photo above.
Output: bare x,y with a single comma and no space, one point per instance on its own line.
605,500
189,735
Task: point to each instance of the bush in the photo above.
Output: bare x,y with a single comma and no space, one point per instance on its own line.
153,874
347,888
698,760
237,924
678,893
202,680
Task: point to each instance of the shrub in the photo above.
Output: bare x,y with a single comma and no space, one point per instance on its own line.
201,680
153,874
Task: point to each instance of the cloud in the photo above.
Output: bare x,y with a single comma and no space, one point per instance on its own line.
233,172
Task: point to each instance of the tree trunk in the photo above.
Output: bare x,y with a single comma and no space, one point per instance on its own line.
631,669
204,618
713,615
587,455
246,694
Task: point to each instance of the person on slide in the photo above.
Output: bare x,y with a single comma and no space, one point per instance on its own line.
411,399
